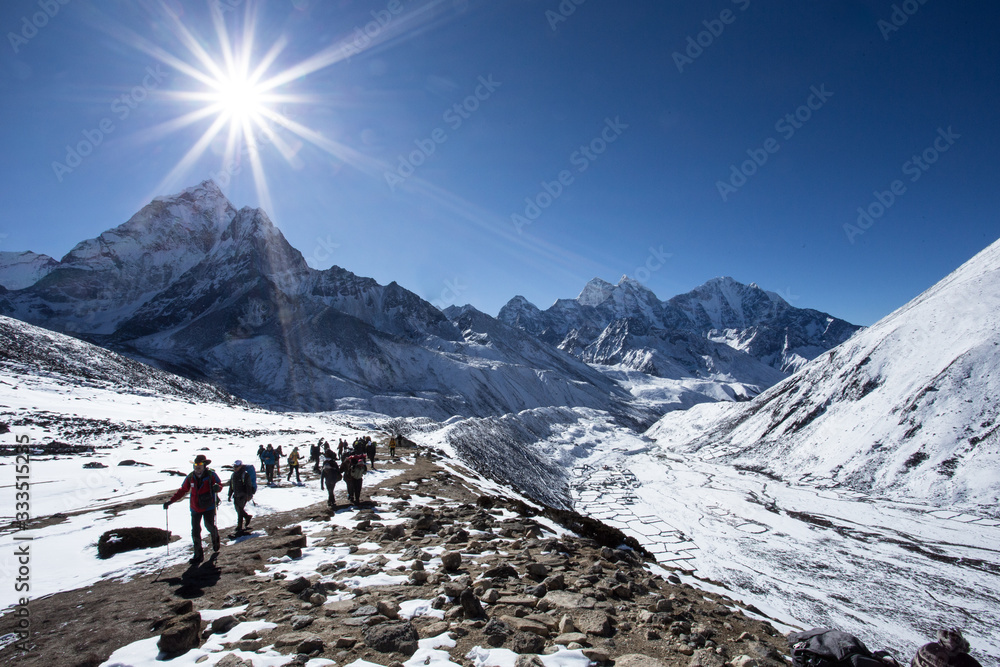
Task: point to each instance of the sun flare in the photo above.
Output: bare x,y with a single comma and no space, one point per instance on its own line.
239,99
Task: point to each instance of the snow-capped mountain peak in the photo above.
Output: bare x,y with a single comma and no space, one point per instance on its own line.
595,292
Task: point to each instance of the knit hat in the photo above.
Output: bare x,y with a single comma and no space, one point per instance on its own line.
237,463
952,641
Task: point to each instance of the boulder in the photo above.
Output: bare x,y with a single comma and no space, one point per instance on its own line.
451,560
471,605
593,622
525,642
497,632
180,635
392,638
119,540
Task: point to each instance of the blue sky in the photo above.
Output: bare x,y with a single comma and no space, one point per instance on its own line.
673,142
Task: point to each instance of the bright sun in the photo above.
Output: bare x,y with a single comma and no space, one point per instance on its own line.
239,99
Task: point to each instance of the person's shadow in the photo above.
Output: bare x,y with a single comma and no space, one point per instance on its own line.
196,579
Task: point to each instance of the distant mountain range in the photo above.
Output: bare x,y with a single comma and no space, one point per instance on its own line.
192,285
908,407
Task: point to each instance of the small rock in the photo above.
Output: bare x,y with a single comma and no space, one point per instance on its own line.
345,642
222,624
593,622
297,585
180,634
706,657
471,605
537,570
388,608
525,642
310,644
299,622
637,660
451,560
392,638
744,661
497,632
491,596
567,638
528,660
597,654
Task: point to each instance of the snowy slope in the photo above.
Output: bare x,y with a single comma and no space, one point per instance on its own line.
21,269
906,408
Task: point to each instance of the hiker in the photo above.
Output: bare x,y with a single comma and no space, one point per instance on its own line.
329,477
242,486
327,452
260,456
370,450
268,459
354,470
342,449
203,484
277,460
314,451
293,466
359,447
392,447
950,650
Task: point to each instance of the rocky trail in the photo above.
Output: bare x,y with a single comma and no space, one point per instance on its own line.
427,570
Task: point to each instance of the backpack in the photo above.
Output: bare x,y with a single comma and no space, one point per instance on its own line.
250,480
356,469
825,647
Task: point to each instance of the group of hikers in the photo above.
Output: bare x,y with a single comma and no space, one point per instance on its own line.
349,463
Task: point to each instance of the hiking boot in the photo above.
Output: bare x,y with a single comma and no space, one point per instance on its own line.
197,558
246,525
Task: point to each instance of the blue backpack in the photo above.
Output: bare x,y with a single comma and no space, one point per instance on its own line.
250,478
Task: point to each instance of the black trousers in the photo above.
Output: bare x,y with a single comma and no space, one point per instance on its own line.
209,519
240,502
353,489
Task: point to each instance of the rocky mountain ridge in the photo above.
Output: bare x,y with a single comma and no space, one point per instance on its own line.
686,336
903,408
474,572
196,287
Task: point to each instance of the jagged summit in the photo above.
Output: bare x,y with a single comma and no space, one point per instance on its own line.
903,408
675,338
197,287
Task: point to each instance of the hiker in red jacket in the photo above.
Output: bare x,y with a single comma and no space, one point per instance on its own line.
203,484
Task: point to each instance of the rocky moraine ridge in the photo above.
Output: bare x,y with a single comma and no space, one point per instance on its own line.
431,570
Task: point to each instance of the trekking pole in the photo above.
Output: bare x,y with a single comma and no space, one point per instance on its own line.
166,513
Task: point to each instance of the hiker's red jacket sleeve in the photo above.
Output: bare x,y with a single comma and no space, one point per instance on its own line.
185,487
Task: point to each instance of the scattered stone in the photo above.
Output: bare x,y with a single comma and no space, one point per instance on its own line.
744,661
300,622
297,585
597,655
392,638
470,605
528,660
94,464
525,642
593,622
345,642
388,608
232,660
706,657
222,625
526,625
497,632
180,634
567,638
637,660
310,644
